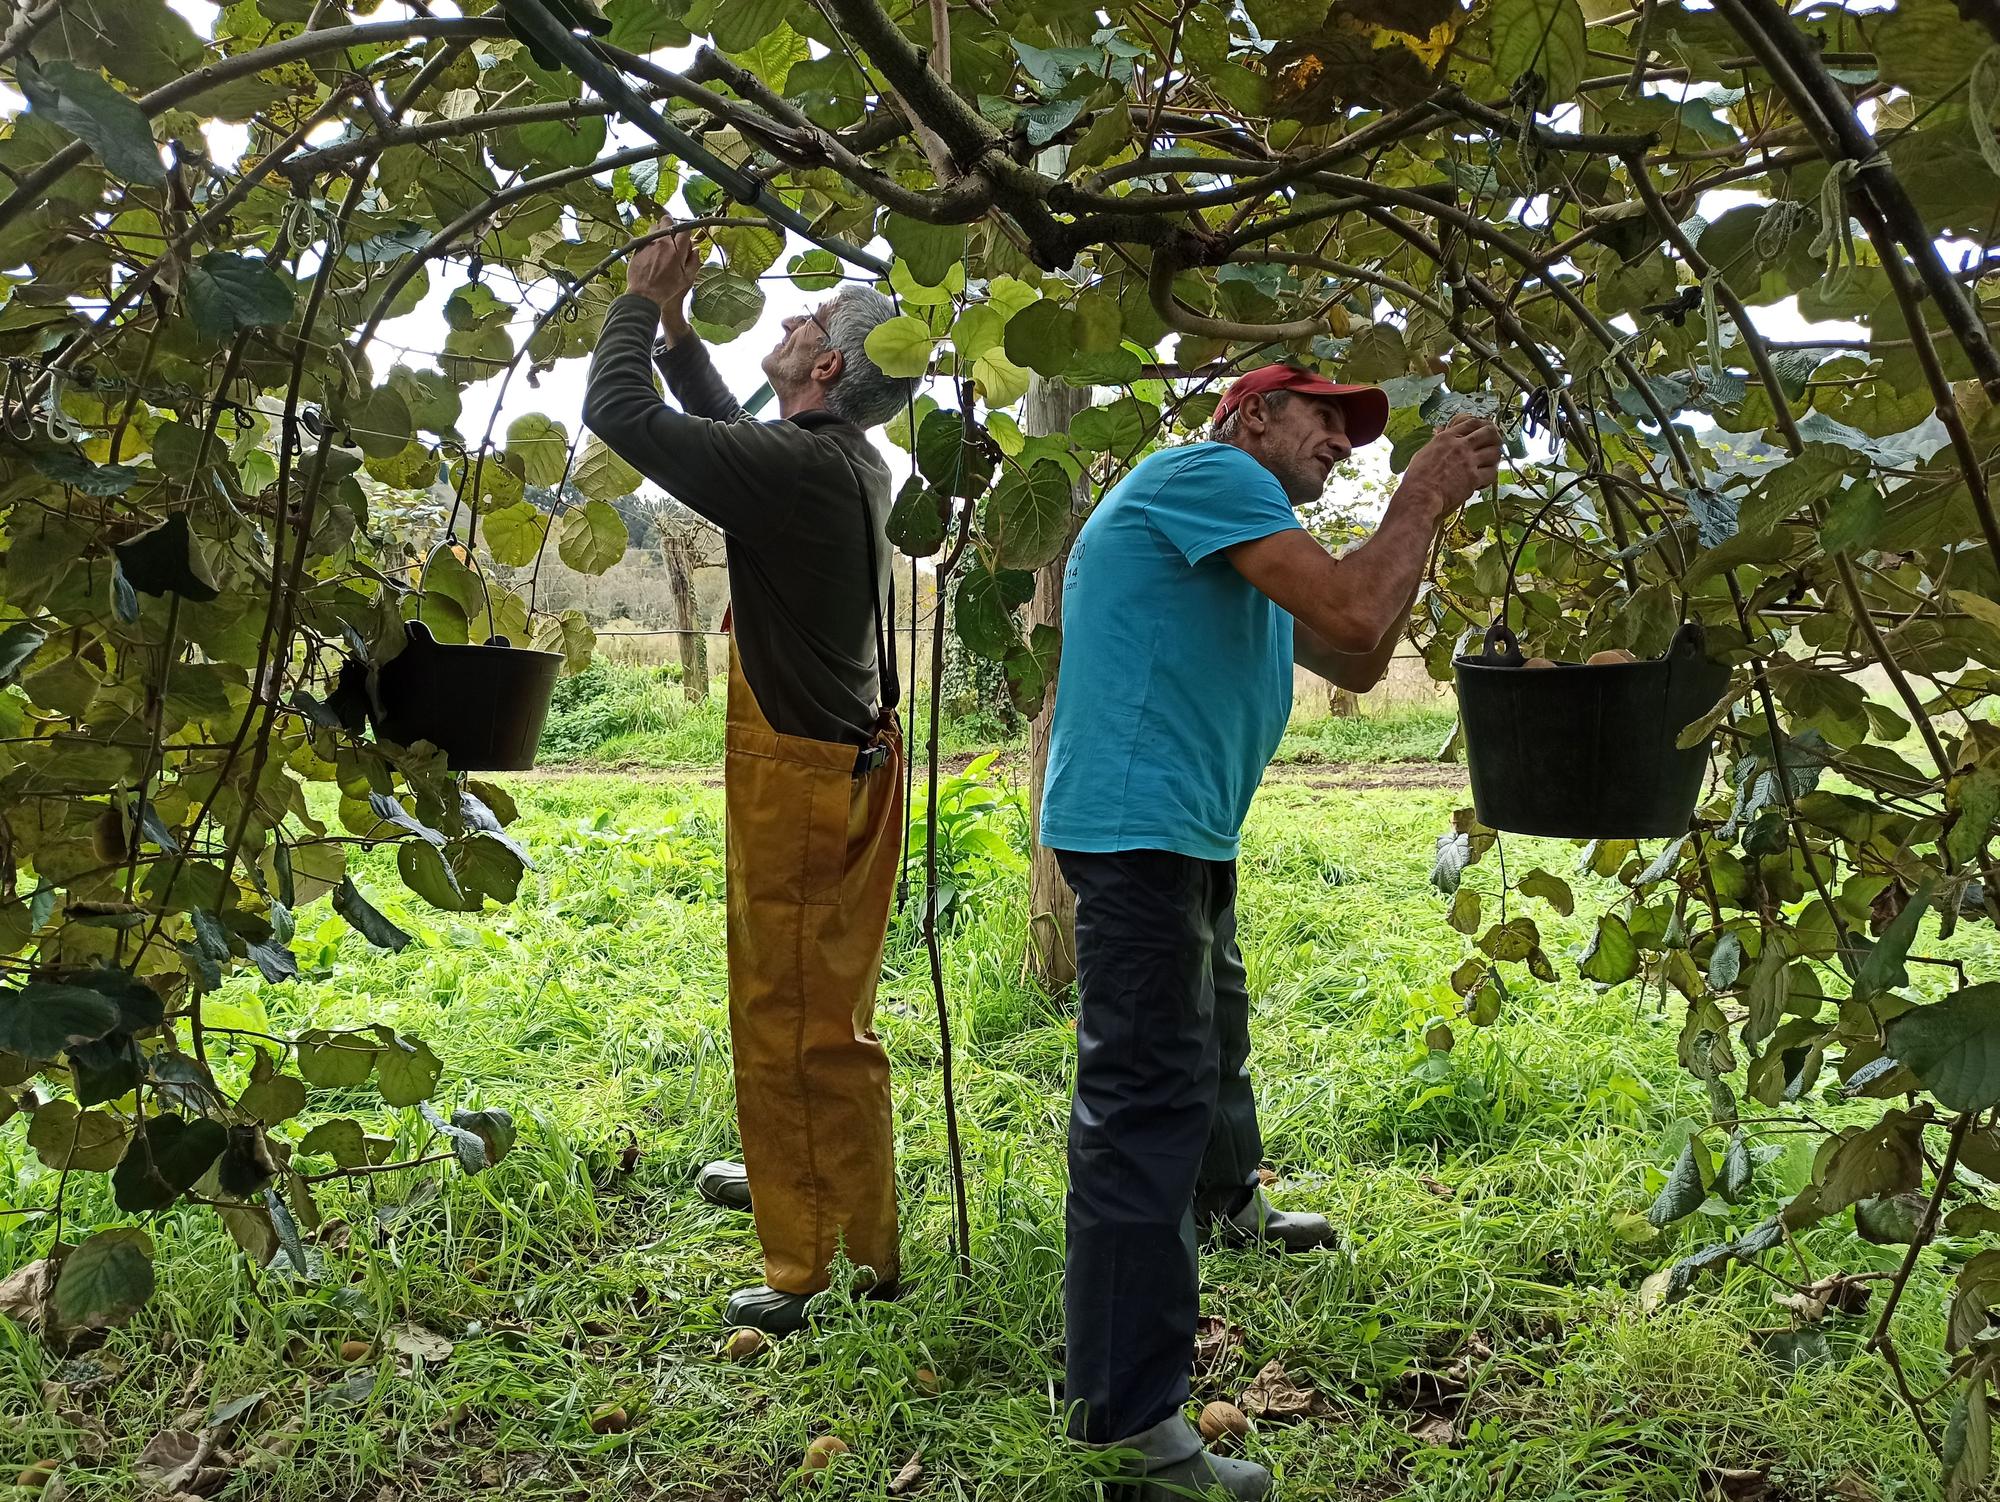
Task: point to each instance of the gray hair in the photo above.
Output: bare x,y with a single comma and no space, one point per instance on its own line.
863,395
1226,429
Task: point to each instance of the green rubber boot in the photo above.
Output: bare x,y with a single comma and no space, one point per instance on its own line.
1170,1464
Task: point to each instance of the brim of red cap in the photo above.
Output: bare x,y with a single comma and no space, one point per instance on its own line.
1367,407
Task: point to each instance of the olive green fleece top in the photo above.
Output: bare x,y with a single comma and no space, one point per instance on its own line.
792,498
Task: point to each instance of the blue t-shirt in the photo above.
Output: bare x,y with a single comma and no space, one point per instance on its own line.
1176,677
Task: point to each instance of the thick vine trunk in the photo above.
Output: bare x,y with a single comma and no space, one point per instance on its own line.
679,559
1051,408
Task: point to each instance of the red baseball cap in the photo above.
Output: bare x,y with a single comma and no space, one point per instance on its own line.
1367,407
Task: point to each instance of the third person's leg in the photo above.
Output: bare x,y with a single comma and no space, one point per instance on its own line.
1229,1200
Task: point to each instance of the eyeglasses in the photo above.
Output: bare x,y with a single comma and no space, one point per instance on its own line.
818,323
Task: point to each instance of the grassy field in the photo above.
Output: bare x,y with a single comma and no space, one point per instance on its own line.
1479,1336
632,718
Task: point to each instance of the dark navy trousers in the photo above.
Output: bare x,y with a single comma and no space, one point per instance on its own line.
1163,1127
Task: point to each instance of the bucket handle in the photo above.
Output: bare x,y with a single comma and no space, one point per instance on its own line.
1689,641
485,590
1500,647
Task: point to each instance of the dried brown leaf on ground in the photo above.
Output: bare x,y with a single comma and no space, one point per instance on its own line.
1732,1484
1275,1396
907,1478
419,1344
1435,1430
26,1291
1218,1348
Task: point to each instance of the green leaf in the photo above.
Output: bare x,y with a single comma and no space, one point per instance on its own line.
1027,518
67,467
167,560
900,346
366,918
1543,39
562,143
487,864
276,1098
44,1018
983,610
494,1128
593,537
111,124
1041,338
514,534
165,1160
1118,427
18,645
917,521
1854,521
1512,941
1551,889
931,250
1030,667
739,24
1612,957
1733,1182
64,1137
726,304
340,1139
814,270
407,1071
425,872
333,1061
1890,1220
1883,969
1953,1046
1978,800
600,474
104,1069
227,294
1683,1192
106,1280
1464,914
540,445
949,458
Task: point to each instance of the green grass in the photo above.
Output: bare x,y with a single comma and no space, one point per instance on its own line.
1408,733
627,717
1492,1199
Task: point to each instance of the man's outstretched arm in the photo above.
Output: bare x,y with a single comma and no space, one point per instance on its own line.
1347,610
728,472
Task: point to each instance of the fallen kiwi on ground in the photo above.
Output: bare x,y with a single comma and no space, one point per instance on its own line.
821,1452
1219,1419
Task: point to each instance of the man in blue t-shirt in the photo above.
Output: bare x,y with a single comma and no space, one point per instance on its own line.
1192,590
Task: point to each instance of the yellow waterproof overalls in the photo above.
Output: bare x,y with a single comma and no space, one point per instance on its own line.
814,837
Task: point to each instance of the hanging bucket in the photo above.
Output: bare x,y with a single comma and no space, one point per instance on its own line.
1586,751
483,706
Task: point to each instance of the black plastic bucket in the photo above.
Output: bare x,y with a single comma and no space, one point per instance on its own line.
483,705
1585,751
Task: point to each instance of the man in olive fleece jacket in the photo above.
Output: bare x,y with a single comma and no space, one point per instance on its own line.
813,785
